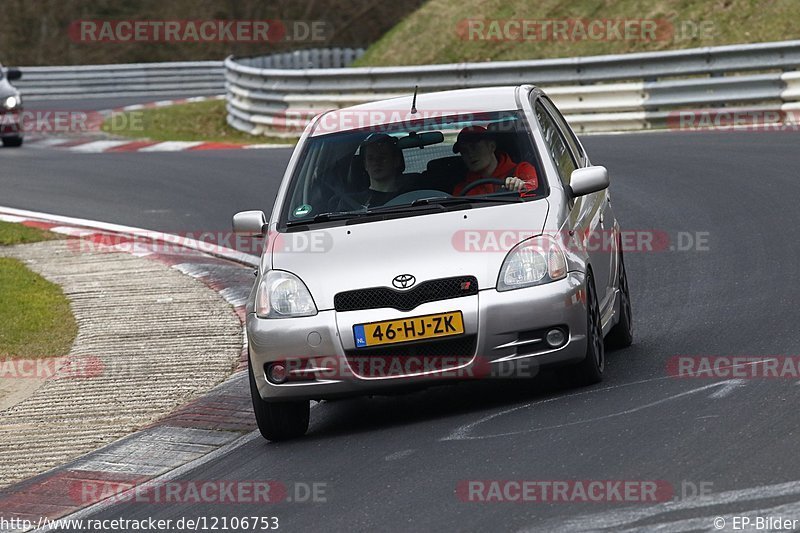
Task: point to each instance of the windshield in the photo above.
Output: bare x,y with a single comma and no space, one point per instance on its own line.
477,159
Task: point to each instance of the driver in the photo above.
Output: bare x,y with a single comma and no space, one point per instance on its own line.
479,151
384,163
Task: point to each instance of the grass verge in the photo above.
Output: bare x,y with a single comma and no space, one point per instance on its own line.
437,32
196,121
35,317
19,234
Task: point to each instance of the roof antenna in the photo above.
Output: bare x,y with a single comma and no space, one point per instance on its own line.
414,101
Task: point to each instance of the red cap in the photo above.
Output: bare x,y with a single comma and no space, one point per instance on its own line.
471,134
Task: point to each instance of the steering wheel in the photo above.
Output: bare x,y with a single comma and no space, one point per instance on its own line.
342,195
482,181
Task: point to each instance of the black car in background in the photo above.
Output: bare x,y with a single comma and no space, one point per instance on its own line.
10,108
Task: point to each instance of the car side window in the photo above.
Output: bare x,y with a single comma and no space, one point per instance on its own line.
556,144
572,140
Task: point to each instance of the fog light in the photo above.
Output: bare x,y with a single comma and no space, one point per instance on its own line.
555,338
276,373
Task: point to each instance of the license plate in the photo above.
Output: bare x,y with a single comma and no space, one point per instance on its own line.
409,329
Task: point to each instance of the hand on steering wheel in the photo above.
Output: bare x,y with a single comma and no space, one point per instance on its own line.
514,183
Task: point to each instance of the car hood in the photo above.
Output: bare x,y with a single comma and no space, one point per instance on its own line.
440,245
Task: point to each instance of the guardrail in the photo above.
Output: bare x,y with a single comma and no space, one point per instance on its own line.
186,78
596,93
189,78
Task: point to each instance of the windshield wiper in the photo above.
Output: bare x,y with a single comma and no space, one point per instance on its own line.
325,217
437,202
414,206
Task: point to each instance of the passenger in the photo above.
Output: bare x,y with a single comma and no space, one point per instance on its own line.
384,163
479,151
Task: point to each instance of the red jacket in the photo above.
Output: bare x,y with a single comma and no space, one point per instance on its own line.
505,168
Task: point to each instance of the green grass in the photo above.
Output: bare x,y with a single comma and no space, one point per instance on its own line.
431,33
34,313
19,234
196,121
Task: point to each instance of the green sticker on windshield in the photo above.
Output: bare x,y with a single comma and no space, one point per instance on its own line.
302,210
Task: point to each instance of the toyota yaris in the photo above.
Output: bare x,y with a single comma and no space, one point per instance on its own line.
430,238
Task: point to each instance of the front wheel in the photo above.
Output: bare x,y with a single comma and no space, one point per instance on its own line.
279,420
590,370
12,141
621,335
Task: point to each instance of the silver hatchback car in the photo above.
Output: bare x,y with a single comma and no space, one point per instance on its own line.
420,240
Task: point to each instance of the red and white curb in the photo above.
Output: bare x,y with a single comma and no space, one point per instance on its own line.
81,227
91,144
193,434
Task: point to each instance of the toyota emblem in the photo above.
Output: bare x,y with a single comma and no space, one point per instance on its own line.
404,281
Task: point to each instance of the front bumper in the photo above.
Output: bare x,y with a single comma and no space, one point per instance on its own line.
505,327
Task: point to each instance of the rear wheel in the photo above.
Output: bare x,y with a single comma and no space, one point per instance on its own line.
590,370
279,420
621,335
12,141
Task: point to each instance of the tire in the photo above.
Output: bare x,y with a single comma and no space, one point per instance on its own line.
12,142
621,335
279,420
590,370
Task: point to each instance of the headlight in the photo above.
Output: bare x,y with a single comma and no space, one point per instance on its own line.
11,102
532,262
282,295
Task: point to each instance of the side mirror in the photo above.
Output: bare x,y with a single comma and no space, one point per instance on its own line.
588,180
13,74
250,223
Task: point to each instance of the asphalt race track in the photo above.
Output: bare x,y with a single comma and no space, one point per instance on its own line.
161,191
395,463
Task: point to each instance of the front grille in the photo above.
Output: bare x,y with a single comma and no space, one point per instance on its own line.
435,355
460,346
427,291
